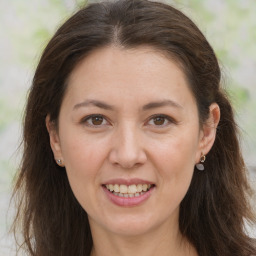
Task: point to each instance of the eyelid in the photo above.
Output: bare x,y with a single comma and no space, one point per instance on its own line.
168,118
85,119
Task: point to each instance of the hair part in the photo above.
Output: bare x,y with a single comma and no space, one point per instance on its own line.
213,211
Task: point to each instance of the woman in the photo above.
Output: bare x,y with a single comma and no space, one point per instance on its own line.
130,144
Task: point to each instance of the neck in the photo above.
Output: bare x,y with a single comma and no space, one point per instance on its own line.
160,241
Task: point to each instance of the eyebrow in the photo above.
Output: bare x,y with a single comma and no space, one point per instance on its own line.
97,103
151,105
159,104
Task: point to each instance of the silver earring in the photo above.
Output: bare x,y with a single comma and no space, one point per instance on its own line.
59,162
200,165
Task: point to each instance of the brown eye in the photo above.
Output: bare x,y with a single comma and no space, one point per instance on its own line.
159,120
97,120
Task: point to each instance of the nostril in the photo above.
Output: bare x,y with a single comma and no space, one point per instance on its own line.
127,165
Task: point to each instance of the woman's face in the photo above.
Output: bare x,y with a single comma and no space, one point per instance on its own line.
129,138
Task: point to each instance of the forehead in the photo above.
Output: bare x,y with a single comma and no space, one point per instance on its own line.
143,73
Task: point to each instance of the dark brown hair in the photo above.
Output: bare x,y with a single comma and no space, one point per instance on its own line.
213,211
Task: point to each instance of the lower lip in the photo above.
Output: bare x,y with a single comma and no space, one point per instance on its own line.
128,201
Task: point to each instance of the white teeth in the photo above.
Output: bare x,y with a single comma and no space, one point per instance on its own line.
139,188
128,191
144,187
116,188
123,189
111,187
132,189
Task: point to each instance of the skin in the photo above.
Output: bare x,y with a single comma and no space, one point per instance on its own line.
129,143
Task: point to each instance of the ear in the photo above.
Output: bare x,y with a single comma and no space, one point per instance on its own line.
54,141
208,131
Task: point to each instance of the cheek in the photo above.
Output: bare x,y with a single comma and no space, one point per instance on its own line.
83,160
79,149
175,161
175,153
176,167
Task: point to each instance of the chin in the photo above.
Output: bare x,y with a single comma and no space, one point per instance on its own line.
132,225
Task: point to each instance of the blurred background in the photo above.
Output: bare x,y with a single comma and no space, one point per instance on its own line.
25,28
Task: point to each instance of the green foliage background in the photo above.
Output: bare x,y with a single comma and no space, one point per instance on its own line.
26,26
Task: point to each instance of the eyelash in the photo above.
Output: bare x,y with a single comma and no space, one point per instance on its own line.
169,120
165,117
87,118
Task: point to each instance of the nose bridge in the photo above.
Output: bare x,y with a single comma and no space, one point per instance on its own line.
127,150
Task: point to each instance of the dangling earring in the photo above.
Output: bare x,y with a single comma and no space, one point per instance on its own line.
200,166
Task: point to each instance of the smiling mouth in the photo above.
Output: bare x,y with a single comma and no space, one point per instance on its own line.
125,191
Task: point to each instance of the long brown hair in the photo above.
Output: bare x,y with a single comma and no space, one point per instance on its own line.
213,211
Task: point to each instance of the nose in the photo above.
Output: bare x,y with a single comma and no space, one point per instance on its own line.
127,148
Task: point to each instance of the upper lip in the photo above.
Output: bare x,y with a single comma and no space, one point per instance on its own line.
127,182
